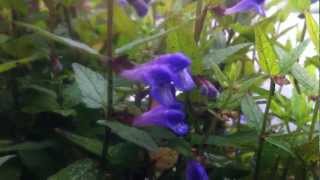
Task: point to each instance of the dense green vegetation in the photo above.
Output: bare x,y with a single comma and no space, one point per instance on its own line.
166,89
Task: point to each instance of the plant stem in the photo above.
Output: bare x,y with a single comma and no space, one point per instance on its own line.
315,111
263,129
109,74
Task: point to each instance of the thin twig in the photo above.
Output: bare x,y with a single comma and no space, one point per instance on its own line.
109,74
263,130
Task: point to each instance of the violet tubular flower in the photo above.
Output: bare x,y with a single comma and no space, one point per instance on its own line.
169,117
247,5
195,171
206,87
140,6
163,75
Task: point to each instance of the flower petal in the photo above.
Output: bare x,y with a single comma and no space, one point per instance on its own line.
140,6
195,171
171,118
259,9
242,6
175,61
183,80
164,94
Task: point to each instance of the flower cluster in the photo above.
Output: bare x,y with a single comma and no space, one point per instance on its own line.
164,75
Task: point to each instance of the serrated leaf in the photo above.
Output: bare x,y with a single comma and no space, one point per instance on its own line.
287,60
308,84
92,145
251,110
85,169
93,86
313,30
131,134
63,40
268,59
218,56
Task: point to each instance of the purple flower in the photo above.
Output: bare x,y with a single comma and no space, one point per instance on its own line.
163,75
169,117
195,171
206,87
141,6
246,5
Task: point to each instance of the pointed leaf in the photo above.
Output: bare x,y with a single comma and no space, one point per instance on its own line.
131,134
66,41
313,30
92,145
6,158
92,85
251,110
85,169
268,59
12,64
218,56
309,84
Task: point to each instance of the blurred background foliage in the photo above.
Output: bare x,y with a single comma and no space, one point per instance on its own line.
50,104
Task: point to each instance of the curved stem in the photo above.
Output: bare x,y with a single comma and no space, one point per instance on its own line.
263,130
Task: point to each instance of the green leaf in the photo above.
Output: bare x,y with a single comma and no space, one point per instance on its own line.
122,153
92,85
142,41
85,169
313,30
42,90
251,110
300,109
218,56
26,146
219,75
268,59
308,83
6,158
13,64
66,41
92,145
182,41
39,162
282,144
242,139
287,60
181,146
131,134
299,5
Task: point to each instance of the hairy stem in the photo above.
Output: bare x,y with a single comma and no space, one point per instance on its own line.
109,74
263,130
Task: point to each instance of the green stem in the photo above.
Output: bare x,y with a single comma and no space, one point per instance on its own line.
109,74
315,112
263,131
